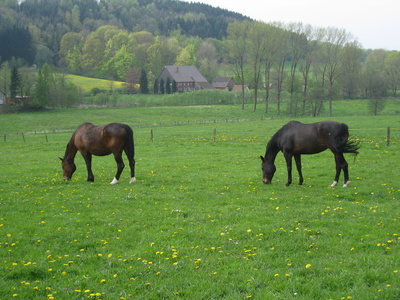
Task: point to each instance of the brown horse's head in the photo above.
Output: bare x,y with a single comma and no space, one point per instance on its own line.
268,169
69,168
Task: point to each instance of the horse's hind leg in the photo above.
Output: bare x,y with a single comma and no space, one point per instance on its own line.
341,164
297,159
132,166
120,167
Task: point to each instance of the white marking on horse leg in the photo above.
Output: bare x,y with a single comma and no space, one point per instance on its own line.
133,179
334,184
346,184
115,181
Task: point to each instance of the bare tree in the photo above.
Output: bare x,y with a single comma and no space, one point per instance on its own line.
297,47
313,36
269,58
281,57
237,37
257,35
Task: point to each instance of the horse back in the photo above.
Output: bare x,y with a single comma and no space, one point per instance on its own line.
299,138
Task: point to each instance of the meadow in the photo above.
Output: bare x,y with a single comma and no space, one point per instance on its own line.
198,223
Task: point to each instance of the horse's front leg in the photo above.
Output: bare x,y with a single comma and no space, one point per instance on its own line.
88,160
297,159
120,167
288,158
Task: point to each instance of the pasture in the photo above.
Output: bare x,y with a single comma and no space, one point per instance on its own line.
198,223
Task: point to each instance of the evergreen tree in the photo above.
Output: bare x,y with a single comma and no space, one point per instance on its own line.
162,86
15,82
168,86
144,84
174,87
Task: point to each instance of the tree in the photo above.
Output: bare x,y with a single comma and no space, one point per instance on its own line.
334,41
350,69
297,47
269,57
187,57
392,70
257,44
15,82
42,92
313,36
237,43
374,80
282,44
144,84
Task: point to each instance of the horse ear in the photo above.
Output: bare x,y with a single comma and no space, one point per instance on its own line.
262,158
61,159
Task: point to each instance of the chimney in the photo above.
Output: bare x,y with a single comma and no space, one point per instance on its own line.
177,69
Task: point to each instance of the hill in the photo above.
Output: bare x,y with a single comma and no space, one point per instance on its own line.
44,22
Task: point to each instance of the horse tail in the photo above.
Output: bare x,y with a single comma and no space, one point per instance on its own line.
129,144
342,142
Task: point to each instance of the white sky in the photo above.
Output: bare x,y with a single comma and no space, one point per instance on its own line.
374,24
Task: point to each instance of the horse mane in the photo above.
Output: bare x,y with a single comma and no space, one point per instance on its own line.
272,146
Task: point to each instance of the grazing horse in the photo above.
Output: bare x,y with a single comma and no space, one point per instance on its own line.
100,141
296,138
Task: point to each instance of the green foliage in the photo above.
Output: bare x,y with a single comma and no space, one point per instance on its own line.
199,223
15,82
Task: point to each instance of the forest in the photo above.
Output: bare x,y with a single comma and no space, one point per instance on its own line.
131,40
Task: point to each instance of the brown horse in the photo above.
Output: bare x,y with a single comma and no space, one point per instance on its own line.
296,138
100,141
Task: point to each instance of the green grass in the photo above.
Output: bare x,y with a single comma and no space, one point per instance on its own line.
87,83
199,223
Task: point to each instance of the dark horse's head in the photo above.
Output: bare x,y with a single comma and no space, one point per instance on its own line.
268,169
69,168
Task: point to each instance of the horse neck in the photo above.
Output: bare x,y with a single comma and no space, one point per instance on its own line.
272,150
71,150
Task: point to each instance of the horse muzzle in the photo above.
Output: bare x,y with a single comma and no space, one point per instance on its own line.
266,181
67,178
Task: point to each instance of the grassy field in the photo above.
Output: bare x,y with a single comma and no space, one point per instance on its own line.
199,223
87,83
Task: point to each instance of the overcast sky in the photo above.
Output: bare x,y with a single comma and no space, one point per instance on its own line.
374,24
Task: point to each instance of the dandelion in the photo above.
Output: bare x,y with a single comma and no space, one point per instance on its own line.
308,266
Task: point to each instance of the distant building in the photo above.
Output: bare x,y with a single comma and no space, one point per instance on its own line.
238,88
186,79
223,83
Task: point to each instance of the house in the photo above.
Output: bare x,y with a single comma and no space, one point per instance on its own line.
223,83
238,88
186,78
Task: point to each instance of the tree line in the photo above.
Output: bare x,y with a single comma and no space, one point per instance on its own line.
302,64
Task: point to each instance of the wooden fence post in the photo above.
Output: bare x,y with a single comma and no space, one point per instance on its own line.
5,138
215,134
23,137
388,137
151,135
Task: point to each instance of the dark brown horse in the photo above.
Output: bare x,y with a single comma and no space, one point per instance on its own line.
100,140
296,138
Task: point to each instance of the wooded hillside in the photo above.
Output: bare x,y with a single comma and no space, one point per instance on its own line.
49,20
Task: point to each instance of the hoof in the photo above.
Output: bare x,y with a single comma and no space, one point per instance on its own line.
115,181
346,184
333,184
133,179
